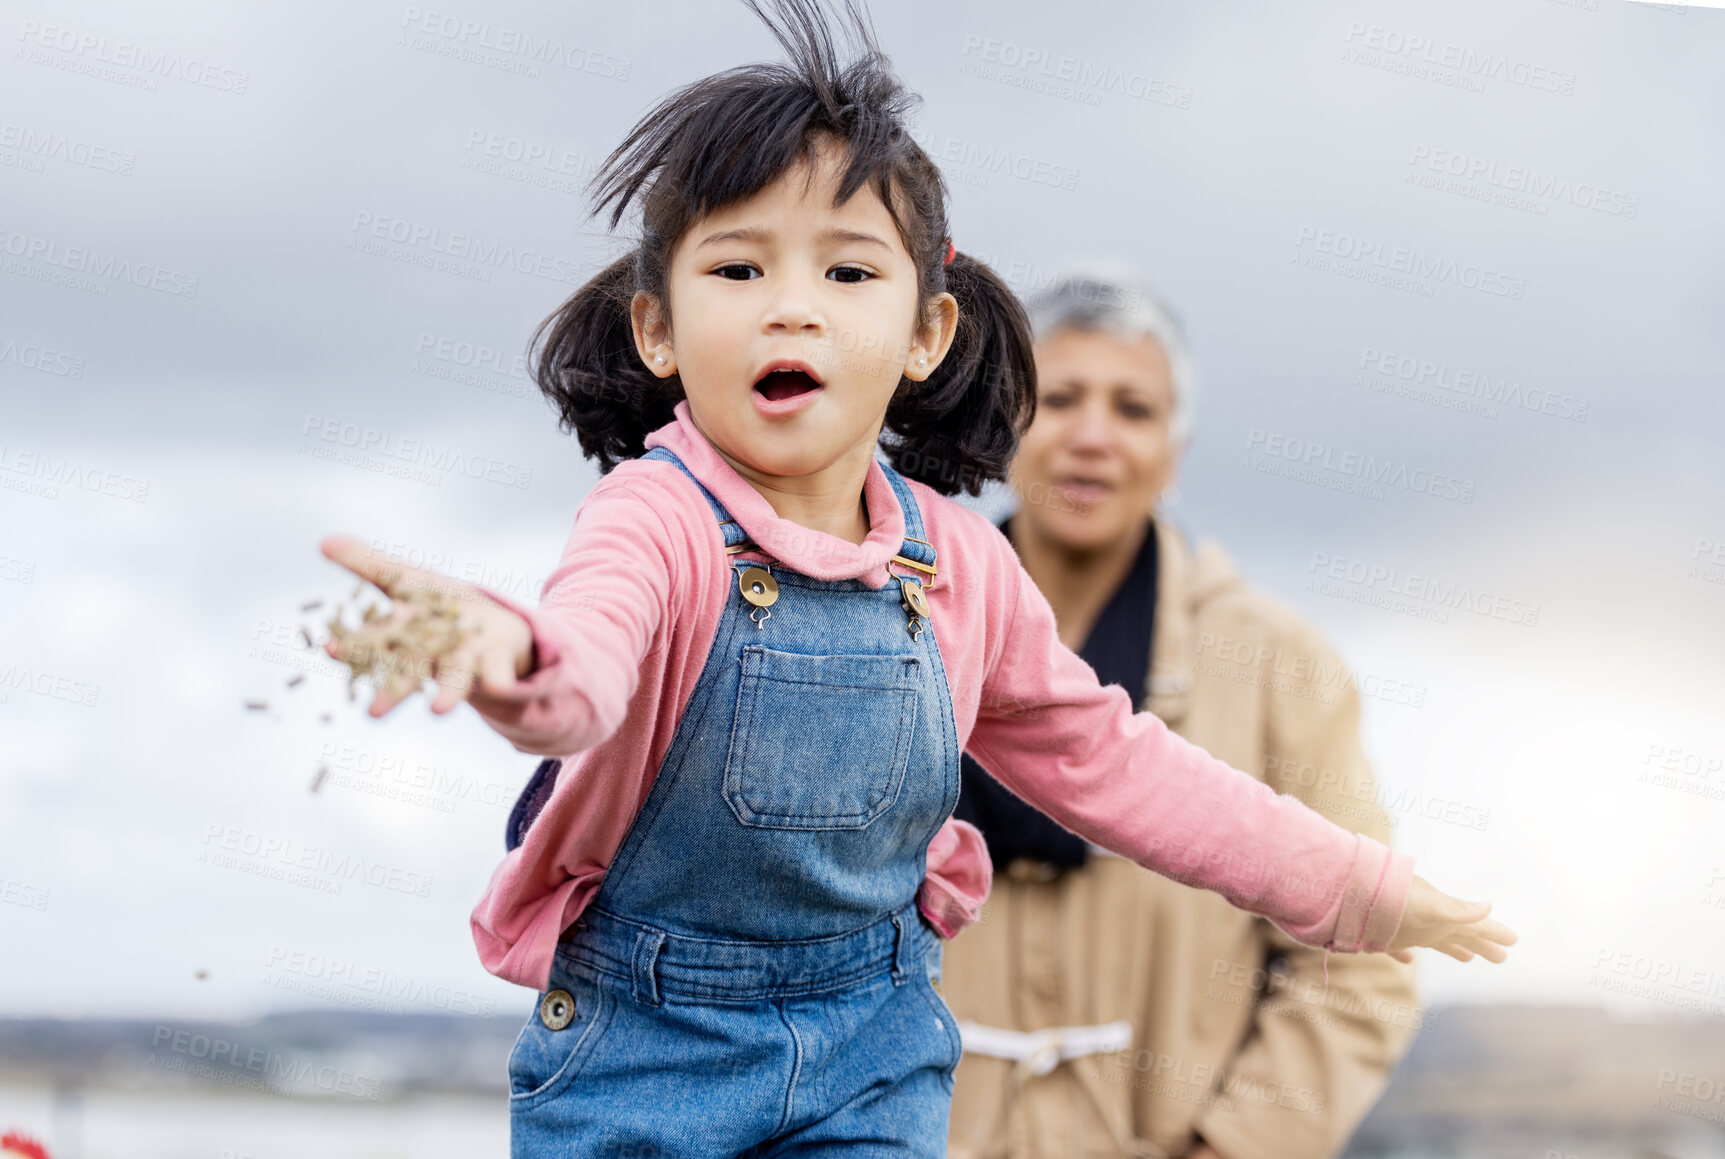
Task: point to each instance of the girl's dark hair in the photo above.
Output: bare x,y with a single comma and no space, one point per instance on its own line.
723,139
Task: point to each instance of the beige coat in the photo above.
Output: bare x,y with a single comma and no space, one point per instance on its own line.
1262,1061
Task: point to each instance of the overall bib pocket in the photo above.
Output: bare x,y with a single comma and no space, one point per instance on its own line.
819,742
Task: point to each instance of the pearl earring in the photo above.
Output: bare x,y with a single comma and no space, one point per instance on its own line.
659,358
922,362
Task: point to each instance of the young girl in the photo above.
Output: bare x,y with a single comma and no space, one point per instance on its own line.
764,650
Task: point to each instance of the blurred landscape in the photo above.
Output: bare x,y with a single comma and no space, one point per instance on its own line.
1488,1082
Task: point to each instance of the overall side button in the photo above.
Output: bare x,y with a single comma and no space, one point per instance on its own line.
557,1010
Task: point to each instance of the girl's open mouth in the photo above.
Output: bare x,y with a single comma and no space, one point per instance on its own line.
785,387
779,385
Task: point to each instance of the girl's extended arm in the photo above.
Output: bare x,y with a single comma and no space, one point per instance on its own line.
1076,750
597,618
556,679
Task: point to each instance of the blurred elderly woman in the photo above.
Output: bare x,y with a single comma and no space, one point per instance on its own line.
1108,1011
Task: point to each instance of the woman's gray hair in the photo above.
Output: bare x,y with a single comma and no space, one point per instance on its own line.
1109,295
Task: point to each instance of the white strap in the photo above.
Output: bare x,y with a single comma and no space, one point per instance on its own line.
1041,1051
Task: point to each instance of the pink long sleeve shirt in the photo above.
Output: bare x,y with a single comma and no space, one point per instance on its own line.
627,619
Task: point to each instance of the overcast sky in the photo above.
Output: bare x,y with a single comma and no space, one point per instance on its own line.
1550,170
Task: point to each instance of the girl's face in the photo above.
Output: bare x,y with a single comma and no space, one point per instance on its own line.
1098,454
794,321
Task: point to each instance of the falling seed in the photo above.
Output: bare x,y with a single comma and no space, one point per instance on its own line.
326,718
305,640
313,606
296,681
202,975
390,648
257,706
317,781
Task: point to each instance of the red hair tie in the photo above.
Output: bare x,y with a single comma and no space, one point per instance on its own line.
951,253
20,1144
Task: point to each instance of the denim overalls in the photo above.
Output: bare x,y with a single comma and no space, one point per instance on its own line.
753,976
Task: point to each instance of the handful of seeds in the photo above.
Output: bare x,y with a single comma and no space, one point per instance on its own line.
398,653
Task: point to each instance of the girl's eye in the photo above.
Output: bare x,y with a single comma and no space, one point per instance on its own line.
730,272
862,274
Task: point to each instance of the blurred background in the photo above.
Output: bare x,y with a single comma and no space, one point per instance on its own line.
238,240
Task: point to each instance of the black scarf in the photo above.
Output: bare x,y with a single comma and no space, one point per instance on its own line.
1118,647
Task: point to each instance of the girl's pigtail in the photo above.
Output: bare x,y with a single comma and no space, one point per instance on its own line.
589,369
961,426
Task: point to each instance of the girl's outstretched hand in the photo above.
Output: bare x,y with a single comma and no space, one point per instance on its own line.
1449,925
436,627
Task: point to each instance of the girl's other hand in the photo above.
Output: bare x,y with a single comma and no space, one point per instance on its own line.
1449,925
495,648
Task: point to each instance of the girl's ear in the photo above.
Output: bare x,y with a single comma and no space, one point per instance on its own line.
933,338
652,334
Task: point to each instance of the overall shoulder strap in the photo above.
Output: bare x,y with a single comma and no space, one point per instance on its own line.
916,551
544,780
732,530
